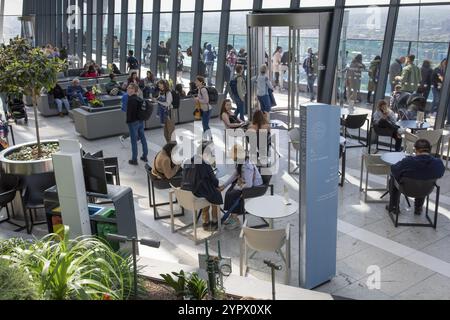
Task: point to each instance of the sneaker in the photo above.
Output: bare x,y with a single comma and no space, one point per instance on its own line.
206,226
122,141
144,159
133,163
233,224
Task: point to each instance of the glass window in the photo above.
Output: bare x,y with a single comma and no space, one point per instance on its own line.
166,5
212,5
117,26
210,36
367,2
187,5
131,6
13,8
131,24
148,6
146,39
316,3
185,41
241,4
276,4
237,35
165,32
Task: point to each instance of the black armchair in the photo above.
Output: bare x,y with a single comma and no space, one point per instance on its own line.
356,121
8,189
160,184
33,197
417,189
381,132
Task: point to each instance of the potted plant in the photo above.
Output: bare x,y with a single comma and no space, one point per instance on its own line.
25,70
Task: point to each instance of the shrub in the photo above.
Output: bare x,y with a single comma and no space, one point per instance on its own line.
15,284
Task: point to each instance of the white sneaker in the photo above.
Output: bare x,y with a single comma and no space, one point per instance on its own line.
122,141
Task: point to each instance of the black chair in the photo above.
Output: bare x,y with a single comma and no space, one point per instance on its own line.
160,184
356,121
8,189
416,189
256,192
33,197
112,170
381,132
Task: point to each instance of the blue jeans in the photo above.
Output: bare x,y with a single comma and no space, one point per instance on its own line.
240,110
137,131
163,114
205,123
60,102
266,105
4,99
436,99
80,97
311,81
209,71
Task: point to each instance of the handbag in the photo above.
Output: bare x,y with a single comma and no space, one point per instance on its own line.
272,98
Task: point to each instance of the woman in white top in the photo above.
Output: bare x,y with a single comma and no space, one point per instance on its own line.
245,176
276,63
164,101
203,100
263,86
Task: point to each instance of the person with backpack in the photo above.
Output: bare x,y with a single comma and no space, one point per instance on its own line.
165,100
133,63
136,124
209,57
411,76
310,67
203,100
238,90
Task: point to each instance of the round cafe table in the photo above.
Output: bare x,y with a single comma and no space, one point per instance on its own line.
392,158
269,208
413,125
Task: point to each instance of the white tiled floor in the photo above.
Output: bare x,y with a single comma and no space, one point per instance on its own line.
414,262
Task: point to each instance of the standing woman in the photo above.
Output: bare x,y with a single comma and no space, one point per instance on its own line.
354,73
276,63
203,100
427,77
263,86
164,101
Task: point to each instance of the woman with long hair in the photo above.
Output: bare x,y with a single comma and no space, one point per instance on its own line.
164,101
203,100
229,119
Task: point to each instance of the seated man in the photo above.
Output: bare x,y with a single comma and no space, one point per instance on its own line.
163,166
60,99
245,176
422,166
113,88
199,177
76,92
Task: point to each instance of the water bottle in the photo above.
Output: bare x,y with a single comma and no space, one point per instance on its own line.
286,195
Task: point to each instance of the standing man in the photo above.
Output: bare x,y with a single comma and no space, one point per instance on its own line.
395,70
135,126
437,79
133,63
411,76
310,66
210,56
162,60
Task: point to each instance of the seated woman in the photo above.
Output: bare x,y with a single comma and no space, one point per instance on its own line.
91,73
384,117
199,177
229,119
258,131
113,87
60,99
179,90
163,166
245,176
193,91
149,85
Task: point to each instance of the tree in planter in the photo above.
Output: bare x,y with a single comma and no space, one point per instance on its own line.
25,70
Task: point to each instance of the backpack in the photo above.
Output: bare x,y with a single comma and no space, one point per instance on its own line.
133,63
145,111
213,95
176,99
210,56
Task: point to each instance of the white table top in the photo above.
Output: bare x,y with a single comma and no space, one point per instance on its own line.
271,207
412,124
392,158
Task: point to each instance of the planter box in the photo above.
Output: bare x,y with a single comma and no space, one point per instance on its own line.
102,124
47,106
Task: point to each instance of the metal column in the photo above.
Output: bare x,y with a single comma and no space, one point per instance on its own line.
89,26
444,104
326,84
71,23
80,26
295,4
174,41
65,31
123,36
257,4
138,31
99,35
196,43
59,23
155,35
110,35
223,42
386,54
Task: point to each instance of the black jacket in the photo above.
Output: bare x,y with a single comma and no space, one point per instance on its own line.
423,167
134,103
199,177
58,92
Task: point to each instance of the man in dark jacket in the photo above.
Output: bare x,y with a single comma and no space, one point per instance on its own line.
423,166
135,126
395,70
199,177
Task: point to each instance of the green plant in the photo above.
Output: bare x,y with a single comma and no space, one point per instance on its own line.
15,284
27,70
84,268
178,283
96,103
197,288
